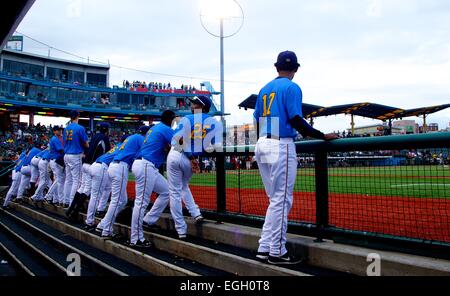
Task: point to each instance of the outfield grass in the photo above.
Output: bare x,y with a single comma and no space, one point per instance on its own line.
408,181
416,181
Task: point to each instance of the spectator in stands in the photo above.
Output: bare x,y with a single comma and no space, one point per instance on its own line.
94,100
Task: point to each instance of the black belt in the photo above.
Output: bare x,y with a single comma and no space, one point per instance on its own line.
270,136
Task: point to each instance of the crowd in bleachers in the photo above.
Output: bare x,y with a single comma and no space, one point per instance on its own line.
155,86
21,136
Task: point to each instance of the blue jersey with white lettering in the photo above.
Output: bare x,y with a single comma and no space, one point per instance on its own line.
199,132
278,102
129,150
20,161
33,152
74,137
108,157
158,138
55,148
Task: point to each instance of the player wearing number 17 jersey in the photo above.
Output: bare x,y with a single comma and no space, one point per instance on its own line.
278,114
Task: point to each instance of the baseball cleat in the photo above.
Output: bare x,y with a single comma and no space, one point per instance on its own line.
262,255
150,227
199,219
144,244
284,260
89,228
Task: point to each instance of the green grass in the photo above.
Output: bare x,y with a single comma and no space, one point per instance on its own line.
411,181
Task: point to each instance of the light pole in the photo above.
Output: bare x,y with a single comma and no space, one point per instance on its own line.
221,11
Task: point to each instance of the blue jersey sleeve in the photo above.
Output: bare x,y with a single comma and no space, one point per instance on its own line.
168,135
293,101
65,136
57,144
84,136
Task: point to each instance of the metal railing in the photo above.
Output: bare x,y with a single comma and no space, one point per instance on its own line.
383,214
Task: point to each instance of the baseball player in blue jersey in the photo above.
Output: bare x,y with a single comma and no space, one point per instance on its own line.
101,185
103,202
44,177
56,163
196,134
148,179
118,172
278,114
34,166
75,143
98,146
16,178
26,170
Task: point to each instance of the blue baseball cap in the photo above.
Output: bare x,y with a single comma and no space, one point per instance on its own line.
287,60
104,126
202,100
74,114
143,129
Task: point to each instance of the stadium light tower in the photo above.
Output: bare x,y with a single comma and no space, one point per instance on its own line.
214,15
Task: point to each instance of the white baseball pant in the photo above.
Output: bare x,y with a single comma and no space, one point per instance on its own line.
104,198
162,202
148,180
100,182
277,162
86,180
24,181
56,191
179,173
34,169
44,180
13,190
73,176
118,172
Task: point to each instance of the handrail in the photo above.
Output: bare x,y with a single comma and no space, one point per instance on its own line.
7,169
322,228
422,141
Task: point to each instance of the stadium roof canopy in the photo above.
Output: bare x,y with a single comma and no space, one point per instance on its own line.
369,110
11,16
424,111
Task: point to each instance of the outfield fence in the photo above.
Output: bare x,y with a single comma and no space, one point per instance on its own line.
392,191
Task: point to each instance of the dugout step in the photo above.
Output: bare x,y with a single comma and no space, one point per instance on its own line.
240,262
154,261
327,255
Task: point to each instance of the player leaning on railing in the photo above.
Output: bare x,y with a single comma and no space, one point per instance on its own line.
278,114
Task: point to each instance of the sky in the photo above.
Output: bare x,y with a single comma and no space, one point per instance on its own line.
391,52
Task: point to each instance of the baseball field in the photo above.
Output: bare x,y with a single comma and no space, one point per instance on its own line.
409,201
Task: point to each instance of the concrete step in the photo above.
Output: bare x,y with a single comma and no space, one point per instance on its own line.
99,262
231,263
155,264
328,255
